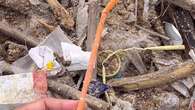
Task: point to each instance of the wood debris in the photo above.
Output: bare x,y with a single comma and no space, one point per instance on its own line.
17,35
161,77
62,14
73,93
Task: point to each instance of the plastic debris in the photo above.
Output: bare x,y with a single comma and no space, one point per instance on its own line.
79,58
52,41
17,89
188,82
6,67
44,57
56,42
173,33
181,88
97,88
25,63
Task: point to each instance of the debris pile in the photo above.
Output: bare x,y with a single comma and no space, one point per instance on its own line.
108,54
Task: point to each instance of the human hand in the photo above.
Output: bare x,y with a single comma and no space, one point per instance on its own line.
51,104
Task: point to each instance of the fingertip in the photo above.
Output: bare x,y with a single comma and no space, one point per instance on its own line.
70,105
61,104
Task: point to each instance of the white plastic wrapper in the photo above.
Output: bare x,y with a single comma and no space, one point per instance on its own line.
79,59
42,55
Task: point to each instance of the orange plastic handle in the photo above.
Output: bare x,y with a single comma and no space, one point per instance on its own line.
92,60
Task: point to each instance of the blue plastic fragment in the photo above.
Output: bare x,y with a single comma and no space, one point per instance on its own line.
97,88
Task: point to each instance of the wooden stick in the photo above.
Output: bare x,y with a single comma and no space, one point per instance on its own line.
69,92
95,47
62,14
155,79
17,35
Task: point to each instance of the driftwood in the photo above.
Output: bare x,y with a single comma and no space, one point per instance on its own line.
69,92
62,14
186,4
155,79
17,35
